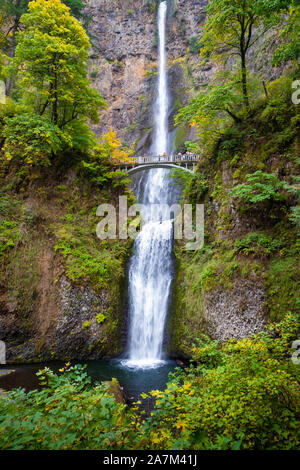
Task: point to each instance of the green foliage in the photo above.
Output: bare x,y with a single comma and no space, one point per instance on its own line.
295,211
211,111
9,235
100,172
85,258
282,285
9,223
194,185
86,325
16,8
289,50
260,187
100,169
258,244
231,29
195,44
50,65
151,5
100,317
278,107
295,216
216,271
243,394
12,10
2,44
31,139
67,413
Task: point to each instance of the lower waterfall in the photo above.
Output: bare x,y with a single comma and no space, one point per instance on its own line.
151,272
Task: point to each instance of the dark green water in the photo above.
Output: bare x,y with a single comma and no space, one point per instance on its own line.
133,381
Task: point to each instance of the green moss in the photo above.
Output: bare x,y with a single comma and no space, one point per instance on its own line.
151,73
208,270
86,257
179,137
86,325
259,244
283,286
100,318
60,219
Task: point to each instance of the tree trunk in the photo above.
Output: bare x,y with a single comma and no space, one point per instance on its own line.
244,80
10,80
55,102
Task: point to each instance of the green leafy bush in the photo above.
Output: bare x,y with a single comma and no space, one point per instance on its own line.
195,45
295,211
260,187
84,258
282,285
67,413
31,139
9,234
257,243
243,394
195,185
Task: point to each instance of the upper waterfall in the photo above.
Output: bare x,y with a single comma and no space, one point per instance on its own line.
160,143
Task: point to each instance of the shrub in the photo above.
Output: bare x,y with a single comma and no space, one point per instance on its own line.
31,139
260,187
67,413
243,394
195,45
257,243
195,185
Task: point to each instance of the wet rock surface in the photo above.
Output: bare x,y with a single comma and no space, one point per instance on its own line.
235,313
77,331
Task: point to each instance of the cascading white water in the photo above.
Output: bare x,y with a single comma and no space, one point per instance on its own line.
160,144
151,266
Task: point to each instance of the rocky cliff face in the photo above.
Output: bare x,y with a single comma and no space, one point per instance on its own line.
123,63
54,306
122,57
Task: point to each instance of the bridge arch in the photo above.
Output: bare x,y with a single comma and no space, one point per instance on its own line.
149,166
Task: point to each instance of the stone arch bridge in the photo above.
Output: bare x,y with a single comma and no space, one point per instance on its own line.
185,162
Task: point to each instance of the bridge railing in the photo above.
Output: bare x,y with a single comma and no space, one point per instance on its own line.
185,158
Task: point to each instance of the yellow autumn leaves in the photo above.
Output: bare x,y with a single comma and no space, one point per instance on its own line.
117,152
63,369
